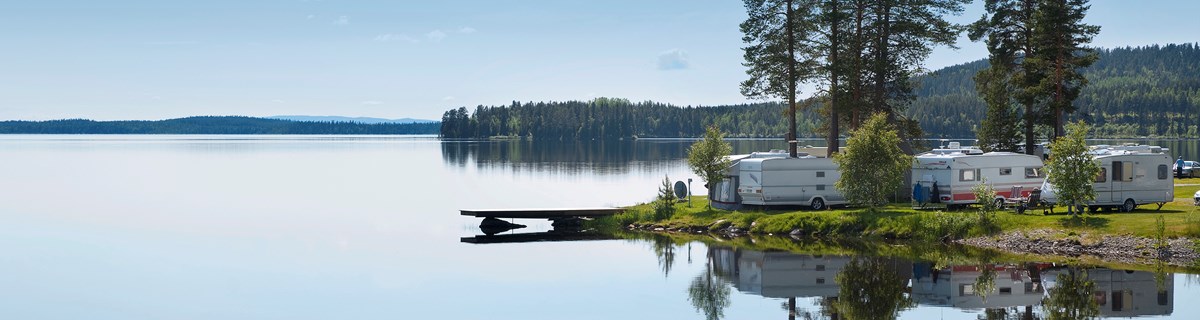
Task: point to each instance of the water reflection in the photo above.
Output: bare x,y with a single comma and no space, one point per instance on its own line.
599,157
864,287
644,155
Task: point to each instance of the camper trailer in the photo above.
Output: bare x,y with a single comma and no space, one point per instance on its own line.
771,178
947,175
1128,178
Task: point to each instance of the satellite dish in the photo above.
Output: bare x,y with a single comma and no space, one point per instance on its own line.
680,190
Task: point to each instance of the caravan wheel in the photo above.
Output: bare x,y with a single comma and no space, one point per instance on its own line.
817,204
1128,206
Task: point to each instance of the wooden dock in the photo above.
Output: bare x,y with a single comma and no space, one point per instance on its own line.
542,213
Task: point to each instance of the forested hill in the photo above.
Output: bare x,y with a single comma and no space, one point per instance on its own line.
1132,92
611,118
211,125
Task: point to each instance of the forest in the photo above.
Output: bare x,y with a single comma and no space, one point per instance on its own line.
210,125
1151,91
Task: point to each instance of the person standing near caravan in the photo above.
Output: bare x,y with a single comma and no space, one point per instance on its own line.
1179,168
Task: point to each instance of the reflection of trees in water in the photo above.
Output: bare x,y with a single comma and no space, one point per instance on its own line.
664,249
708,294
985,283
823,312
603,157
1071,298
871,288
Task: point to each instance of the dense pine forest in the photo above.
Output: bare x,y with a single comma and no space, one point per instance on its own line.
1133,92
211,125
611,118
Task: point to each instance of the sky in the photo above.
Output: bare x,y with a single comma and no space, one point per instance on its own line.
158,59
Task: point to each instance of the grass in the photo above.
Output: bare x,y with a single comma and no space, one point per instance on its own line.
1181,218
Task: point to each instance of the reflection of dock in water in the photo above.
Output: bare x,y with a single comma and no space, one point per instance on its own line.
551,236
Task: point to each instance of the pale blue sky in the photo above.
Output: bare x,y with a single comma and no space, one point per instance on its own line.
154,59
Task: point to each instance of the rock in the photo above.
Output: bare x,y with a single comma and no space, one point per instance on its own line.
796,232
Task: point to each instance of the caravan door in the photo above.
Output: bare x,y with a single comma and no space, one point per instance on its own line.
1103,184
1122,181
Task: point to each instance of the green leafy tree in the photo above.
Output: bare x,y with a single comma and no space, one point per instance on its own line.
873,164
707,157
1071,169
986,196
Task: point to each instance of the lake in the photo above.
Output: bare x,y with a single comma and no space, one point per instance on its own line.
367,227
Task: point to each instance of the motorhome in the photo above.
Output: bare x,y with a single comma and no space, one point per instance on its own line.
947,175
1128,177
773,178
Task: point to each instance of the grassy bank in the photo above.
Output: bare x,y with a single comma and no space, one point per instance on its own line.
899,221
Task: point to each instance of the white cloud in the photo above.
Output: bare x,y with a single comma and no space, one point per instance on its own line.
436,35
310,17
448,98
673,59
372,103
466,30
387,37
342,20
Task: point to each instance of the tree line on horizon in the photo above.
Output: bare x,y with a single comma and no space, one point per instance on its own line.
211,125
1149,91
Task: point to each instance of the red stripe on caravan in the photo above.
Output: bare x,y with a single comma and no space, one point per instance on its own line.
963,196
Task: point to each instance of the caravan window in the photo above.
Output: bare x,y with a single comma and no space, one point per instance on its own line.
1034,172
1005,171
968,174
1122,171
820,174
1103,176
1163,172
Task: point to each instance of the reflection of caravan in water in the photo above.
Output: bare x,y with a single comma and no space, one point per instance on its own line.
787,275
779,274
1122,293
954,286
772,178
1129,176
947,175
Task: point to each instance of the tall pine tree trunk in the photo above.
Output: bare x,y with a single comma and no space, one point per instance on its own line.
834,74
792,78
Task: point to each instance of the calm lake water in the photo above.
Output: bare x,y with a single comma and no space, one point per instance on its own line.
336,227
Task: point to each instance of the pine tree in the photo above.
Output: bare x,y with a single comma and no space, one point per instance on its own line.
1060,36
779,54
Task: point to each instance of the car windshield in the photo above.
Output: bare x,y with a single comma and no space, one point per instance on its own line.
1189,163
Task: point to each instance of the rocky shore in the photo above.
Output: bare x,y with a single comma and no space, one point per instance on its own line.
1121,249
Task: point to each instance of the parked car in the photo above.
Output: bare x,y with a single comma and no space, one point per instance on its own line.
1190,169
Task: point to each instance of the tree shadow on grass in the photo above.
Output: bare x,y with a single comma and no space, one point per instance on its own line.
1080,221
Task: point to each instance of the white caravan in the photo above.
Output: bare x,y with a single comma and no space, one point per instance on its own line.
947,175
772,178
1127,179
